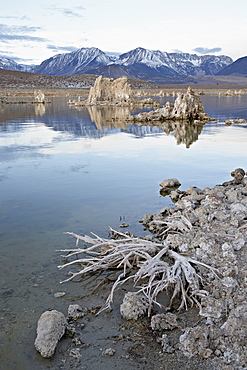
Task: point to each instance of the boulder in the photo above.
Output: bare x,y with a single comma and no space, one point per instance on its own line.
168,185
51,327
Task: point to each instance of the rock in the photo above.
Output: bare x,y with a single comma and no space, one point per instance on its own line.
165,344
109,91
162,321
194,341
51,327
124,225
75,311
75,353
59,294
211,307
236,324
187,106
217,237
170,183
39,96
133,306
239,121
238,175
70,330
108,352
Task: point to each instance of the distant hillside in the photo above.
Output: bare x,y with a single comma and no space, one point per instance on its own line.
239,67
27,80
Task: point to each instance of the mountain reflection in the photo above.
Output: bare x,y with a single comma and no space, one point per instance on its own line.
115,117
93,122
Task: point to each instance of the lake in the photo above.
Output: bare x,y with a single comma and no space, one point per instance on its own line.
82,170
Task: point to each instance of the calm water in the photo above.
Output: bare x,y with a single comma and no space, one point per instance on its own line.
64,169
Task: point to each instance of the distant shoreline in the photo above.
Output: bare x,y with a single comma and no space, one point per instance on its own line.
23,84
22,92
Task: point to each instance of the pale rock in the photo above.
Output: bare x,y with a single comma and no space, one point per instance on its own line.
75,311
133,306
236,324
39,96
194,341
109,91
166,321
187,106
239,120
244,181
75,353
238,208
229,282
108,352
51,327
164,341
211,307
239,242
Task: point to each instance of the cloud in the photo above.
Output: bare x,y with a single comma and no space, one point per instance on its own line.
9,33
177,51
9,55
202,50
61,48
5,29
69,12
6,38
23,18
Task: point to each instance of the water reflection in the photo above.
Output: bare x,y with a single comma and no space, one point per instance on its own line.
109,116
39,109
116,117
69,170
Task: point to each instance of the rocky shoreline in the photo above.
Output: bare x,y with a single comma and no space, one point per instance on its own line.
217,235
206,234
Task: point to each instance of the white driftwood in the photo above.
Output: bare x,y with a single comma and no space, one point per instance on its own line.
150,260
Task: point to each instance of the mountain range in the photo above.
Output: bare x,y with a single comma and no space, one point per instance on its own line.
139,63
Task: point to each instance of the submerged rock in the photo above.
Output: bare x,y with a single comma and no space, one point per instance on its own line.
51,327
168,185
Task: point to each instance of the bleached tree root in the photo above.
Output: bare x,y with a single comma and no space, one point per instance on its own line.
152,263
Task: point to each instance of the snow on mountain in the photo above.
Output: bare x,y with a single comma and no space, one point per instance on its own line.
139,63
239,67
76,62
152,58
193,64
10,64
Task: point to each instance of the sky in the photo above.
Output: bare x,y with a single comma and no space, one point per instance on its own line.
32,31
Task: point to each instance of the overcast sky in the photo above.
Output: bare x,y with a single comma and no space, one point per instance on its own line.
31,30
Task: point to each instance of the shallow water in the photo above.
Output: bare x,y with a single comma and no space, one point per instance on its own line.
64,169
